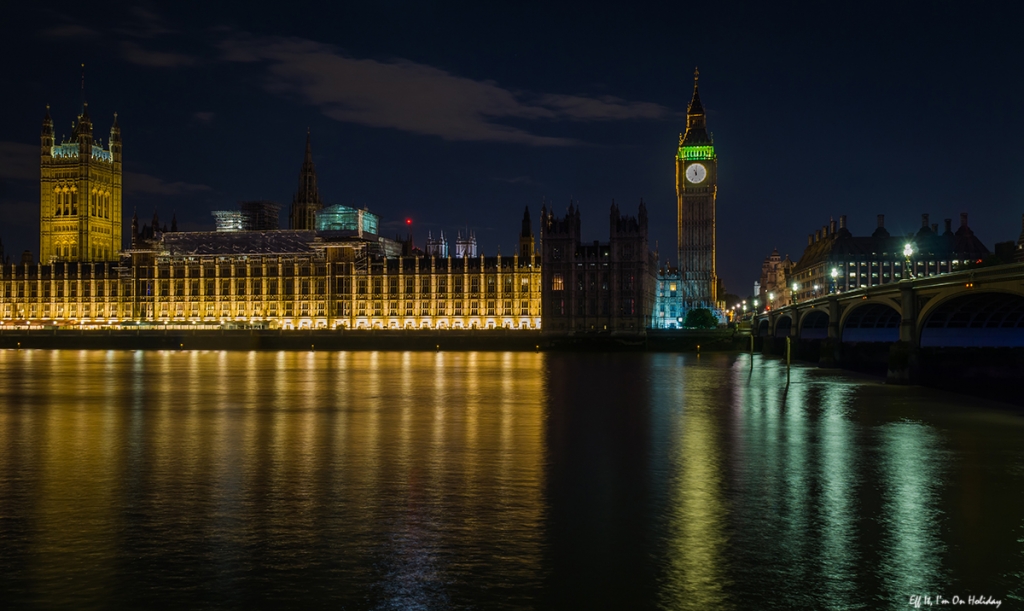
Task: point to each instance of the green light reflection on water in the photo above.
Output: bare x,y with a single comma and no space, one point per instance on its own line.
910,470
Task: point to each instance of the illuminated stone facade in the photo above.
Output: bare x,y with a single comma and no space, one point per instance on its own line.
79,194
276,280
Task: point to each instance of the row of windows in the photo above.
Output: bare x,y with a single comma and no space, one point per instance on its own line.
583,282
46,289
305,308
65,203
593,307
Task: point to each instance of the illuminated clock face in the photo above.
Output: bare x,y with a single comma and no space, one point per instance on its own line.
696,173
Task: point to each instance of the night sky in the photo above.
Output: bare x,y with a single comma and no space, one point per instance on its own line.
460,116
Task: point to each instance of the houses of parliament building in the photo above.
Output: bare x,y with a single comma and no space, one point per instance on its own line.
329,270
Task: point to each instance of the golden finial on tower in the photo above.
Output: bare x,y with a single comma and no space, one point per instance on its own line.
696,75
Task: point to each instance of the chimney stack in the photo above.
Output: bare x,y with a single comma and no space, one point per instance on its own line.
881,221
924,221
949,225
935,228
810,239
832,226
842,221
963,219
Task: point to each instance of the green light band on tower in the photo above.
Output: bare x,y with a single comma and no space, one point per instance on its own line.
695,153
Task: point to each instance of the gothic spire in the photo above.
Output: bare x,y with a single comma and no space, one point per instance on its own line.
696,127
695,107
308,193
307,200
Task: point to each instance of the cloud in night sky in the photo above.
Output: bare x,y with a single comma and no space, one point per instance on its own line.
144,23
417,98
136,183
135,54
70,31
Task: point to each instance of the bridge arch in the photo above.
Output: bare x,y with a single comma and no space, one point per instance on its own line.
814,324
783,326
762,328
993,318
871,321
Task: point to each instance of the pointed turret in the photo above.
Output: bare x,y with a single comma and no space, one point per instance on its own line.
46,136
135,227
83,131
115,140
174,221
696,125
306,202
526,245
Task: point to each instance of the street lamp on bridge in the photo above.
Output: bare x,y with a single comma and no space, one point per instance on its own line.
908,252
835,275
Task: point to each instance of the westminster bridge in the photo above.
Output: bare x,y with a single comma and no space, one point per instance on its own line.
964,327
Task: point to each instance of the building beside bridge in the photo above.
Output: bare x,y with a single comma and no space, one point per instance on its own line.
837,261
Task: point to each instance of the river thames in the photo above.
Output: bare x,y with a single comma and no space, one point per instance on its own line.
415,480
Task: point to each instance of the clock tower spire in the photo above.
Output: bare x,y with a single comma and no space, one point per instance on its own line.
696,189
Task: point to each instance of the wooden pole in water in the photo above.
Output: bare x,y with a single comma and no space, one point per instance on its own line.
789,342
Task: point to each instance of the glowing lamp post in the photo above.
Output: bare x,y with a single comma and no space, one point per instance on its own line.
796,287
835,275
908,252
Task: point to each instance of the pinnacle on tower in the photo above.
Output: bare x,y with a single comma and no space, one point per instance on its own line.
696,126
46,136
307,200
695,107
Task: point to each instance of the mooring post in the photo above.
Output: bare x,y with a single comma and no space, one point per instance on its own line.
789,342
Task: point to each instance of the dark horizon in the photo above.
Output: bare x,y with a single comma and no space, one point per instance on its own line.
461,118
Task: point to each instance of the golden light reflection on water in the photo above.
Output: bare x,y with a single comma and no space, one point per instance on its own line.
218,451
696,576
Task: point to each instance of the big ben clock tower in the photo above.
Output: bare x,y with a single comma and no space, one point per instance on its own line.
696,187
